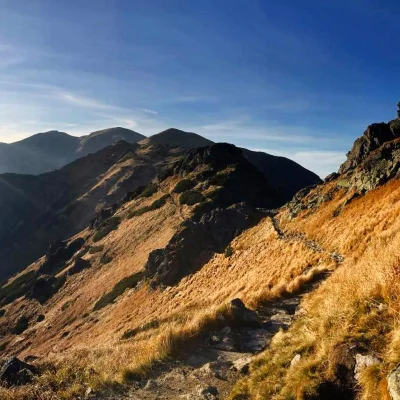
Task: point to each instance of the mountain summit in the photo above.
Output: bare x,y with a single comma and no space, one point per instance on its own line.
176,137
47,151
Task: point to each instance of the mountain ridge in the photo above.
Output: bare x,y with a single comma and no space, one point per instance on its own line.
51,150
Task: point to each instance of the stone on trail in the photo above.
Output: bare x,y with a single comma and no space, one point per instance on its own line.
242,316
15,372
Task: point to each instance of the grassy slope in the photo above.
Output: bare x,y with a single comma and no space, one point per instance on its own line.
261,266
358,304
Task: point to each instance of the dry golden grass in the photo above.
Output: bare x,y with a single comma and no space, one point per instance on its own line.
260,267
360,302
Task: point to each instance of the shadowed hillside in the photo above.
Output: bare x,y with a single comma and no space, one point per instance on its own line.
51,150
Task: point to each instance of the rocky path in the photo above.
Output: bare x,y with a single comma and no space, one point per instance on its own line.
300,237
217,360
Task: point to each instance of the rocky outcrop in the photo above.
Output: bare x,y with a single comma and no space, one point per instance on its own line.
242,316
59,253
393,382
378,168
195,243
223,165
373,138
15,372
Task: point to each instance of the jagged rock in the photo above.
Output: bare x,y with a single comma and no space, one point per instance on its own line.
295,360
393,383
216,368
101,217
16,372
363,361
256,340
79,265
59,253
331,177
226,330
45,287
342,363
243,316
196,242
150,385
242,365
373,138
208,392
226,344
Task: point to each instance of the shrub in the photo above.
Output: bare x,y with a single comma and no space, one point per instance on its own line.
144,327
184,185
105,259
40,318
127,283
21,325
96,249
149,190
191,197
17,288
229,251
153,206
220,179
111,225
45,287
79,265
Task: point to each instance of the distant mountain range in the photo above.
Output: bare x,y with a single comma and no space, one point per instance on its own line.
47,151
35,209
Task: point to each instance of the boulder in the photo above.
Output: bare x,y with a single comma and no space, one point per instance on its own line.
363,361
216,368
242,316
208,392
15,372
393,382
295,360
226,344
79,265
331,177
242,365
256,340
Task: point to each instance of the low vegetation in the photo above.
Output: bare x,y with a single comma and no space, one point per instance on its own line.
153,206
191,197
21,325
129,282
184,185
17,288
111,225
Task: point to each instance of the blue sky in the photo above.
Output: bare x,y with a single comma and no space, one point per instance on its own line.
296,78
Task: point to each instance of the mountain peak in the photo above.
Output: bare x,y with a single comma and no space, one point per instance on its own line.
177,137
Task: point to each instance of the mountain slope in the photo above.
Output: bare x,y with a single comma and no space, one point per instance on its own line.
36,210
100,139
286,175
151,271
345,340
176,137
51,150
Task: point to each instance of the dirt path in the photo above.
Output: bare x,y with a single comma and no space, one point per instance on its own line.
213,365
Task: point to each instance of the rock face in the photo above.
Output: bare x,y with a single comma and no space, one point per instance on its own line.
364,361
16,372
242,316
196,242
393,381
373,138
